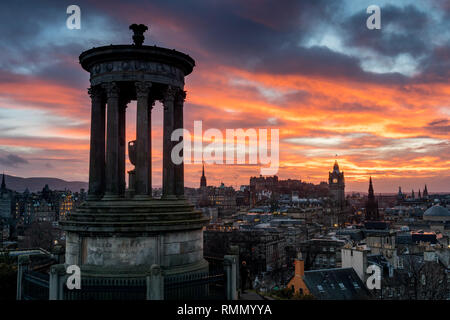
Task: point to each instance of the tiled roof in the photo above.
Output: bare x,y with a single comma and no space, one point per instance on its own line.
336,284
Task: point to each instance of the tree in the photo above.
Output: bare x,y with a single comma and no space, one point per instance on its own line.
40,235
419,279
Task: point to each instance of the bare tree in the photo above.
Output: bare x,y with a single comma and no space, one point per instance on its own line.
40,235
421,279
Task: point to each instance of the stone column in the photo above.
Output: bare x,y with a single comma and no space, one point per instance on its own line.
155,283
168,166
143,177
22,266
57,282
178,124
230,266
112,141
122,144
97,147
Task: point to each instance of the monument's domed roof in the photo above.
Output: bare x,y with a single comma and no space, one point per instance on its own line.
437,211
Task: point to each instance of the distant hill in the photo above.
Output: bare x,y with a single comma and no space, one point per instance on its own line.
19,184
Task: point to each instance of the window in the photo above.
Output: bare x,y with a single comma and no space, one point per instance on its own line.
320,288
341,285
355,284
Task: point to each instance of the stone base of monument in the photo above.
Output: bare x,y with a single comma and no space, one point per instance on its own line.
133,235
127,248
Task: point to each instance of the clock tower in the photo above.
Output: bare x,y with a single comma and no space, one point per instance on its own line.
337,186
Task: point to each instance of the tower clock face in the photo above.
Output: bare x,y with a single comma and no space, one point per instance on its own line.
334,180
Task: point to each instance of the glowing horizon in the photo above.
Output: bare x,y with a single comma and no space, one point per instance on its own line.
380,101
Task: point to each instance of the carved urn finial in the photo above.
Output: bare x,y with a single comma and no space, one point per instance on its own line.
138,33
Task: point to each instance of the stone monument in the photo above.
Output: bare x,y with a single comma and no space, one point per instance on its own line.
119,232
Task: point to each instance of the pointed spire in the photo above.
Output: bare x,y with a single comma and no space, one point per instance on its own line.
203,178
371,193
419,195
425,192
336,166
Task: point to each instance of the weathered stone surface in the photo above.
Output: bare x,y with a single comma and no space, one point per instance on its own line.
72,248
120,251
181,259
183,236
172,248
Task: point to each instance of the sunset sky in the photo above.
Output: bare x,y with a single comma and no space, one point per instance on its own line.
378,99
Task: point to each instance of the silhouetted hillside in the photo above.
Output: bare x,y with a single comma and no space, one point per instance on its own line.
19,184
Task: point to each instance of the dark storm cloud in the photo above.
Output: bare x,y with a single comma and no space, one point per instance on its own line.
37,42
12,160
259,36
318,61
436,67
264,36
403,30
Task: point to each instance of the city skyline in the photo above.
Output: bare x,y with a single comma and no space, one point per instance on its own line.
381,107
217,182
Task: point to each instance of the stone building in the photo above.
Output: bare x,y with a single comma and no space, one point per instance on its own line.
336,184
322,253
262,250
6,202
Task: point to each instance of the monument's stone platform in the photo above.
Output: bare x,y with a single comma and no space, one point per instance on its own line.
135,234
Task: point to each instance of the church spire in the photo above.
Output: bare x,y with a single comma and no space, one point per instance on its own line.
372,213
203,178
371,194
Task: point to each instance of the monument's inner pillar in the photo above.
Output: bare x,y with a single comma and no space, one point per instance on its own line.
143,175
